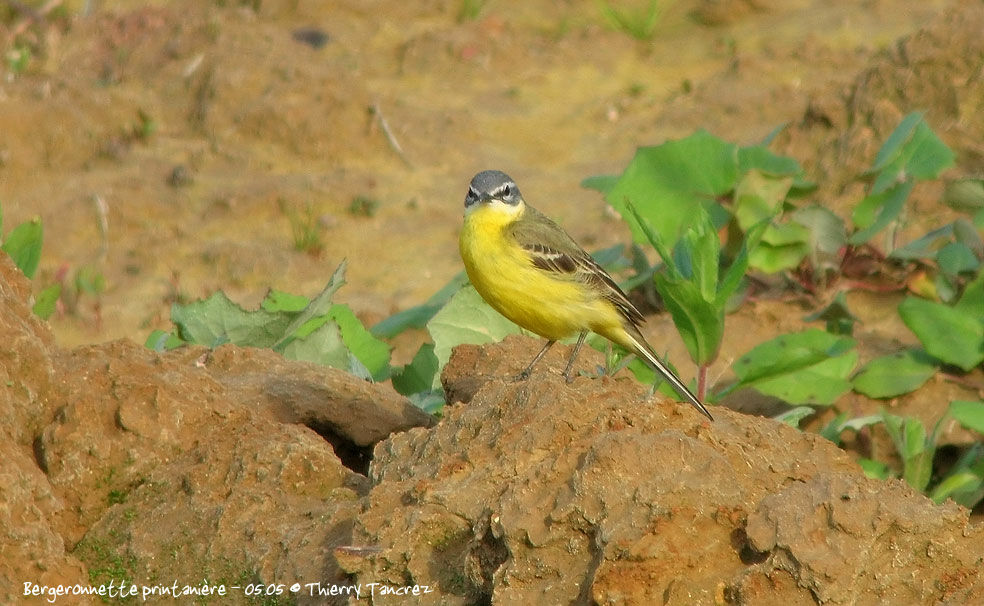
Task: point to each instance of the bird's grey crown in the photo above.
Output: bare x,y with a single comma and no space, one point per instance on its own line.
492,184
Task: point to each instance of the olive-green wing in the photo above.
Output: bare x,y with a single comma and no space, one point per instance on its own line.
552,250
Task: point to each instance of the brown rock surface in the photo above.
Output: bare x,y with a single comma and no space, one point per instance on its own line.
541,492
123,464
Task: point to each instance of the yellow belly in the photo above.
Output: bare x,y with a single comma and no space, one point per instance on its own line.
539,301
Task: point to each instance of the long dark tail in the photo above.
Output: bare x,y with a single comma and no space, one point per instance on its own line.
637,343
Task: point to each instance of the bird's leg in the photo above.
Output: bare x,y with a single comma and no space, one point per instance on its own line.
529,369
577,348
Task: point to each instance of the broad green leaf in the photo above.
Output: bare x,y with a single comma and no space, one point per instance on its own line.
956,258
969,414
323,346
466,319
319,307
665,183
793,416
790,353
161,341
877,210
417,317
927,246
217,320
965,195
833,430
277,300
419,374
895,374
809,367
700,322
971,302
760,158
759,196
876,470
956,483
947,333
782,247
23,244
819,385
430,402
370,351
601,183
911,151
688,285
44,303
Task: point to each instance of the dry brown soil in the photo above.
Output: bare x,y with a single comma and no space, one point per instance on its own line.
240,467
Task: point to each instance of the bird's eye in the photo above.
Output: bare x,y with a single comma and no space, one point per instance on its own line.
506,191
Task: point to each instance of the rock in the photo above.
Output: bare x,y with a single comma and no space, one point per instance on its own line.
543,492
33,551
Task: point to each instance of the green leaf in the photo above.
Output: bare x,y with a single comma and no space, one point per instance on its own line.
602,183
370,351
782,247
689,286
826,231
759,196
793,416
838,318
419,374
219,320
809,367
417,317
895,374
969,414
927,246
876,470
700,322
971,302
161,341
914,446
841,423
666,183
965,195
877,210
318,308
947,333
44,304
277,300
956,483
323,346
911,151
23,244
466,319
956,258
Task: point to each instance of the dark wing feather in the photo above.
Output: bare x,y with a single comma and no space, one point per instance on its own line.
552,250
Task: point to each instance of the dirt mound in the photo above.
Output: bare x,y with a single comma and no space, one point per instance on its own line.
125,465
548,493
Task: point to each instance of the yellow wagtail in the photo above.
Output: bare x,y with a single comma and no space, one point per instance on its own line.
527,268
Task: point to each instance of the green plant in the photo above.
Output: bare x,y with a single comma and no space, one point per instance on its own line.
469,10
306,229
639,22
316,330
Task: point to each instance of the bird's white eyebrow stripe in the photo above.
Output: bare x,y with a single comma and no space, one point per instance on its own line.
503,188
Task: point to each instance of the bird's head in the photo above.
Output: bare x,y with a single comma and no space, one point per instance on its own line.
495,190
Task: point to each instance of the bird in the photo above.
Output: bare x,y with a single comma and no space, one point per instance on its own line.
532,272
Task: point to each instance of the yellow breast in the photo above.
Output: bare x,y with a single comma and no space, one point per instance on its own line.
550,305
